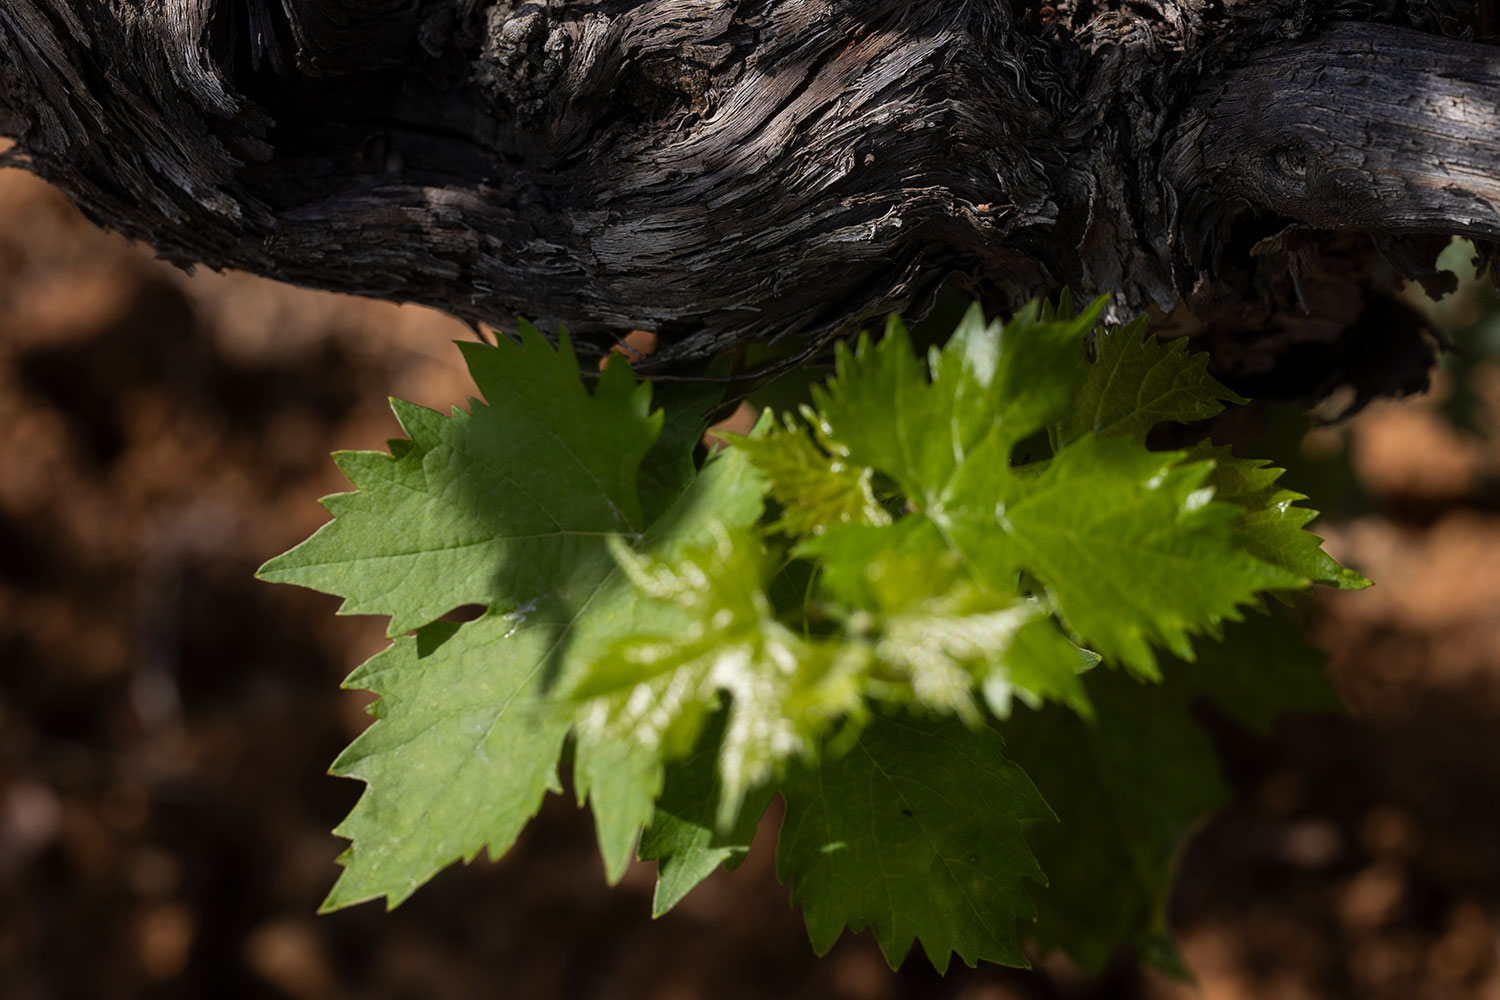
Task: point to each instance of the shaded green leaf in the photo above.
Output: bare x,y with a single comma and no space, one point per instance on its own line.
1131,786
1137,382
914,832
669,467
512,505
496,506
459,758
683,836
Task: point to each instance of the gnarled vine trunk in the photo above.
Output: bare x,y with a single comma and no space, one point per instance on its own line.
726,170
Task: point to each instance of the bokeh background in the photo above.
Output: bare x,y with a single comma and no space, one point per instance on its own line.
166,722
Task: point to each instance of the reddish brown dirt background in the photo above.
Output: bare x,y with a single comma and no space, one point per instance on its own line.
166,721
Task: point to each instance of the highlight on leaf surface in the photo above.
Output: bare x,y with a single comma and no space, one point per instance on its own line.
884,608
1132,548
656,688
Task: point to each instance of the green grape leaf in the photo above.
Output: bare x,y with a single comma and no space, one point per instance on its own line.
1131,785
459,758
471,719
512,505
1262,669
1137,382
942,654
813,488
882,411
935,567
1038,371
934,635
491,507
716,632
1132,548
621,779
1129,543
914,832
872,380
1062,308
1272,523
852,563
669,467
621,782
683,837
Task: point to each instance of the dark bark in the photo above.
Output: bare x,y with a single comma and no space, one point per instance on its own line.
727,171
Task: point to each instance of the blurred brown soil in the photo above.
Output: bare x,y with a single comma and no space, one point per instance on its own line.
166,721
1362,857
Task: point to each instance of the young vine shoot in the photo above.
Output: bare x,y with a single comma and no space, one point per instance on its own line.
967,667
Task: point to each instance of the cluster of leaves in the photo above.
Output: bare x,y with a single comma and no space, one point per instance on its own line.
878,609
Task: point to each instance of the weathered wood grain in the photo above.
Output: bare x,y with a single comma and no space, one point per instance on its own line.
726,170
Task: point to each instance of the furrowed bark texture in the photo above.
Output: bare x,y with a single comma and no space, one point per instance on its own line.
722,171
